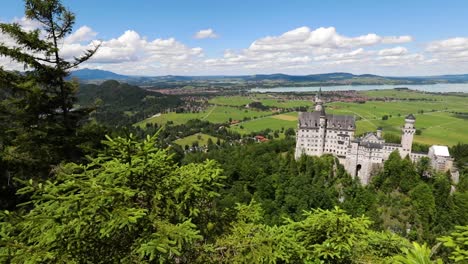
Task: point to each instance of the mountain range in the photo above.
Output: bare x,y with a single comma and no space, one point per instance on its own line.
335,78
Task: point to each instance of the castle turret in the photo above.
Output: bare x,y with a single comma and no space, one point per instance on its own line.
407,136
322,130
379,132
318,101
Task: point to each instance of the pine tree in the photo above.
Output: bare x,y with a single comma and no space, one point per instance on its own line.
37,105
131,204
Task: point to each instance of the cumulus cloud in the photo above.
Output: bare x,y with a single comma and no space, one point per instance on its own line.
205,33
396,51
452,51
449,45
134,54
304,49
299,51
84,33
305,39
27,24
130,53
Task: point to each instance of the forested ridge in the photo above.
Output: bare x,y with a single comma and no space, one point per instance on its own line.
76,190
121,104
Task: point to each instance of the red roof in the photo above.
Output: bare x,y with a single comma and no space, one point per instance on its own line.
261,138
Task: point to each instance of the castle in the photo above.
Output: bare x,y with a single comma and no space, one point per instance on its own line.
320,133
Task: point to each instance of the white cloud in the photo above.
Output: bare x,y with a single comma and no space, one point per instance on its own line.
84,33
129,53
305,39
299,51
134,54
303,50
448,55
451,50
205,33
396,51
27,24
449,45
6,40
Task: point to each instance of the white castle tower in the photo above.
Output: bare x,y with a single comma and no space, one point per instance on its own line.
318,101
407,136
322,130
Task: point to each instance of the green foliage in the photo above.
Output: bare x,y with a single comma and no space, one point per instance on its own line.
332,236
423,203
397,174
418,254
383,246
324,236
129,204
460,154
269,173
458,243
251,241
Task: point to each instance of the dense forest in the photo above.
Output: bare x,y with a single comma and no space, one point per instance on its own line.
120,104
78,189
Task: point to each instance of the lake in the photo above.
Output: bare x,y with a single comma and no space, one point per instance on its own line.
439,87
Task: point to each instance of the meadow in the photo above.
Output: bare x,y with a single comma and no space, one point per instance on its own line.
275,122
265,99
201,138
213,114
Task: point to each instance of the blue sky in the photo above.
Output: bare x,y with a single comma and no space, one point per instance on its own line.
437,32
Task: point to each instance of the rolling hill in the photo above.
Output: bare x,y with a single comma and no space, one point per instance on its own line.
336,78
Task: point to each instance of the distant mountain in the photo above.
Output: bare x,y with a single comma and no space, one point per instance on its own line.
271,80
91,74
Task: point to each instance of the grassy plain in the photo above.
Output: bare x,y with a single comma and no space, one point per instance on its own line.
266,100
214,114
201,138
271,122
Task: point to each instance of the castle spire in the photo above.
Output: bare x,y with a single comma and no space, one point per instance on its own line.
318,101
408,131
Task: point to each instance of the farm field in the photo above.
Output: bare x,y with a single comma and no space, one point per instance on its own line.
377,109
436,127
231,100
201,138
263,98
214,114
410,94
276,122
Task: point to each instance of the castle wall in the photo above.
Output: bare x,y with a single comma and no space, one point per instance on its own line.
308,141
316,142
362,161
415,157
407,137
388,149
